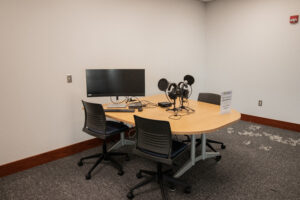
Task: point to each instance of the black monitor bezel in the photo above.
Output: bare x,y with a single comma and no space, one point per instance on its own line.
116,94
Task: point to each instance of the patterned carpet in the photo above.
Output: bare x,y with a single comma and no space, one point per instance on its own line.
259,162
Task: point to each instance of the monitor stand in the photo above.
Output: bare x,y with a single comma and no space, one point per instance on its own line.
117,105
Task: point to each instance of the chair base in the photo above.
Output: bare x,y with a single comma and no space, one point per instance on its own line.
162,178
107,156
208,143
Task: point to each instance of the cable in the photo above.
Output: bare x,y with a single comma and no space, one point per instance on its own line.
177,116
149,104
118,102
191,92
135,98
168,97
146,103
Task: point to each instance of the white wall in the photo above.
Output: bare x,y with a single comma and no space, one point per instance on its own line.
253,50
42,41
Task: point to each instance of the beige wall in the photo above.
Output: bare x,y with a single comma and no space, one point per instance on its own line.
43,40
247,46
253,50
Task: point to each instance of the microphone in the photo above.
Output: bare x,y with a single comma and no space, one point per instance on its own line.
172,91
163,84
185,93
180,83
189,79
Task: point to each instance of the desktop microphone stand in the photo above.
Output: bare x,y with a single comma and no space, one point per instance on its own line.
182,107
174,109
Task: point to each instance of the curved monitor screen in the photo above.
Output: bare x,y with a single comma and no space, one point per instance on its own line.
115,82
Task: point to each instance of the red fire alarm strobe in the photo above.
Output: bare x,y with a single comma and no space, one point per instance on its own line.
294,19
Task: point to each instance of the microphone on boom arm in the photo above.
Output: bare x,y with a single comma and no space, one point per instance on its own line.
188,82
163,84
186,91
188,79
182,90
170,88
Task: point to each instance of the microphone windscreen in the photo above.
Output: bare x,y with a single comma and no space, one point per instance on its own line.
189,79
163,84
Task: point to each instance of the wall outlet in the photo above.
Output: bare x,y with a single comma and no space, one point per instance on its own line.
259,102
69,78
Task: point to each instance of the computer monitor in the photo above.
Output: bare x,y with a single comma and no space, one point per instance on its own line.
115,82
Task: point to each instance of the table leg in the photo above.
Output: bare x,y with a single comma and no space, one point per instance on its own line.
121,142
203,146
193,158
204,155
191,161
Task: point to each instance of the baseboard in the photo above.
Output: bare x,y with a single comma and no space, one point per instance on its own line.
43,158
271,122
56,154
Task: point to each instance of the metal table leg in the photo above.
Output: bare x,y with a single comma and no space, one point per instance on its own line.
121,142
193,158
204,154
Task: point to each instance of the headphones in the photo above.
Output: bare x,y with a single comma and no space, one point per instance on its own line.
172,91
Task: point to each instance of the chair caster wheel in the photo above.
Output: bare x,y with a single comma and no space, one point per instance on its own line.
120,173
223,146
80,163
127,158
130,195
139,175
187,190
88,177
218,158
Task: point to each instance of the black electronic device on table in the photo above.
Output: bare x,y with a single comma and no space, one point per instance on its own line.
115,82
135,105
164,104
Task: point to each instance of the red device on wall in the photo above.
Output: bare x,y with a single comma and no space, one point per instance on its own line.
294,19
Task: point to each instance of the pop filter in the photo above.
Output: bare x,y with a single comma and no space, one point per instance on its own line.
190,80
163,84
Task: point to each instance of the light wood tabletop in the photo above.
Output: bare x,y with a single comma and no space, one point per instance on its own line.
206,117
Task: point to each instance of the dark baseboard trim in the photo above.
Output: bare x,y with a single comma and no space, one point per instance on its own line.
56,154
271,122
43,158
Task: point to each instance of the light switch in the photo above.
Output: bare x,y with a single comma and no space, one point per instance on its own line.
69,78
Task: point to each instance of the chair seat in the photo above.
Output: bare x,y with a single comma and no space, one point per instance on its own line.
112,128
177,148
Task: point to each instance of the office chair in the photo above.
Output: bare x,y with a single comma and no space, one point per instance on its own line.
96,125
213,99
154,142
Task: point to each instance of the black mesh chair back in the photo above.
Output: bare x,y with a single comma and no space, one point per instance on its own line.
210,98
154,141
96,125
213,99
153,136
95,119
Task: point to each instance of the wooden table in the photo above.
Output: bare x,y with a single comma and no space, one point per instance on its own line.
205,119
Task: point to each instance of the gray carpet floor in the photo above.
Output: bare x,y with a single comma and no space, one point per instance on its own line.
259,162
